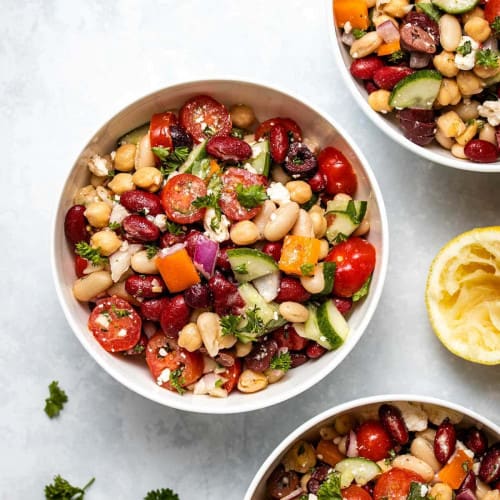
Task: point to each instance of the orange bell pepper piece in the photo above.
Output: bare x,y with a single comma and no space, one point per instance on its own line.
297,251
388,48
352,11
177,270
454,472
329,452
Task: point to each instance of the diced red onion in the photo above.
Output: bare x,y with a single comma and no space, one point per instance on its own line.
205,256
419,60
388,32
164,252
268,285
465,495
491,43
352,449
347,38
293,494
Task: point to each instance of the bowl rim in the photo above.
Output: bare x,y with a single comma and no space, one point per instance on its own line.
352,405
254,403
379,120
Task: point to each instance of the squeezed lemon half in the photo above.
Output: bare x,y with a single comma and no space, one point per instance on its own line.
463,295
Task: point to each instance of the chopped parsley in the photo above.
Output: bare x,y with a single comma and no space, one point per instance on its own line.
487,58
358,33
397,56
465,49
241,269
307,269
55,402
62,490
209,131
111,174
211,201
245,328
298,161
219,383
251,196
362,291
237,132
161,494
416,492
495,26
229,324
120,313
281,361
174,228
330,489
93,255
114,226
177,380
340,238
151,251
170,160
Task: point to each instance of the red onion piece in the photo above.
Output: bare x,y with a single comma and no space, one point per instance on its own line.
388,31
294,494
465,495
347,38
352,445
491,43
419,59
205,256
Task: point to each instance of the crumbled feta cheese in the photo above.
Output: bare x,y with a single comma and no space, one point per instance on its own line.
278,193
347,27
468,61
162,352
103,320
156,286
437,415
160,221
461,446
491,111
122,332
164,377
312,496
99,166
475,467
119,262
219,233
249,167
415,418
423,490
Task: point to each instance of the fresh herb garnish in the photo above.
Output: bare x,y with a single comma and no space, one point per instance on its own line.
362,291
120,313
330,489
208,201
174,228
298,161
397,56
241,269
341,237
93,255
219,383
251,196
307,269
309,204
138,349
495,26
237,132
358,33
55,402
390,458
465,49
282,361
170,160
114,226
416,492
211,201
161,494
209,131
111,174
487,58
151,251
177,380
246,327
62,490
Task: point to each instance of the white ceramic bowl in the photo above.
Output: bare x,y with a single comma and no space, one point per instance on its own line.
267,103
388,124
310,430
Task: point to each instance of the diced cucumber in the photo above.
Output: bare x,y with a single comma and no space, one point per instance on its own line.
357,469
310,330
456,6
134,136
328,276
332,325
198,153
248,264
348,217
201,168
261,158
418,90
430,9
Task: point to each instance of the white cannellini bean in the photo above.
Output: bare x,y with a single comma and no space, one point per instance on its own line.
263,217
284,219
450,32
303,226
414,464
142,264
92,285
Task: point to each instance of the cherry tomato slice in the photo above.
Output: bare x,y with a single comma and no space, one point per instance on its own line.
355,492
338,172
229,199
232,374
160,356
395,484
204,117
492,10
115,324
290,126
178,195
374,443
159,129
355,260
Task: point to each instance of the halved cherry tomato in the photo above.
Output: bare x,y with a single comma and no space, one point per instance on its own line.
160,356
229,199
115,324
492,10
374,443
178,195
355,261
395,484
355,492
80,266
289,125
159,129
232,374
338,172
203,117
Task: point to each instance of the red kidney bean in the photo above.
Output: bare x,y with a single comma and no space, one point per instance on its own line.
198,296
80,266
259,358
222,260
315,351
496,486
388,76
489,470
476,440
415,114
228,148
318,476
481,151
281,483
298,359
147,287
169,239
141,202
225,358
445,441
139,348
343,305
287,337
174,317
317,182
273,250
151,309
292,290
226,298
138,229
370,86
278,143
469,482
365,67
416,127
392,421
192,240
75,225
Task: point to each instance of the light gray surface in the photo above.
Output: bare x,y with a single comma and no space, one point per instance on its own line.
64,69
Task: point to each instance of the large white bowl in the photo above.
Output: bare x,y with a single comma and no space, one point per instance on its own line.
267,102
388,124
310,430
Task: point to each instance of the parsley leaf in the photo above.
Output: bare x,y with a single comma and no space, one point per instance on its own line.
174,228
114,226
237,132
84,250
170,160
241,269
363,290
209,131
229,324
120,313
330,489
495,26
397,56
416,492
281,361
55,402
358,33
209,201
251,196
151,251
62,490
177,380
245,328
161,494
465,49
487,58
219,383
307,269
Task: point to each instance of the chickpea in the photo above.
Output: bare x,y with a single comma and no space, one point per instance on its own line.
488,133
301,457
121,183
107,241
441,491
445,64
148,178
396,8
242,115
478,29
190,338
475,12
98,213
469,84
448,92
445,142
379,101
484,72
125,158
244,233
469,133
344,423
300,191
86,195
97,181
458,151
467,109
450,124
251,381
242,349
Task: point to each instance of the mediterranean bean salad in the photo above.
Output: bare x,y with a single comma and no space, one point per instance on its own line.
435,64
223,250
394,451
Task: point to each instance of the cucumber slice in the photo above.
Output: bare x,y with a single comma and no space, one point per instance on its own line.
348,217
198,153
248,264
358,469
332,324
134,136
310,330
456,6
418,90
329,277
261,158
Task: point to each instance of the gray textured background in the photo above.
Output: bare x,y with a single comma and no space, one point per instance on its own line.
65,67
